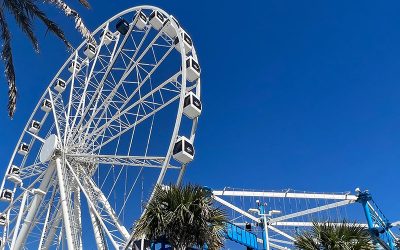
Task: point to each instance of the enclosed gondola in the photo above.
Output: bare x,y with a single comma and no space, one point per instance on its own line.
14,174
187,42
169,30
3,220
122,26
90,50
46,105
14,170
192,69
192,105
34,127
108,37
156,19
74,66
23,149
141,20
6,195
59,85
183,150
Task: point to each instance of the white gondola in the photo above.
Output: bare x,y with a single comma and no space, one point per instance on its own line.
14,170
46,105
59,85
23,149
109,36
156,19
141,21
3,220
90,50
6,195
38,191
192,69
192,105
34,127
169,29
13,174
183,150
122,26
74,65
187,42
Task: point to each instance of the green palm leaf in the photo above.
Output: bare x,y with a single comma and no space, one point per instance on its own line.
183,216
6,56
24,13
335,236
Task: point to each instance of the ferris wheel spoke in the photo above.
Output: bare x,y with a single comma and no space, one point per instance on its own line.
87,80
143,100
32,170
95,97
132,65
58,112
143,111
128,161
88,77
70,102
106,207
140,83
143,118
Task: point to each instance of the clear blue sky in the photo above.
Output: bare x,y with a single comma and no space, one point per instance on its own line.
299,94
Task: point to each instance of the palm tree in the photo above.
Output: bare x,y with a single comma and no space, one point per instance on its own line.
335,236
183,217
24,13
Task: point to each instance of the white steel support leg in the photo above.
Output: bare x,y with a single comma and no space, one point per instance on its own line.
64,206
98,234
266,238
52,230
46,221
20,214
37,199
92,206
77,214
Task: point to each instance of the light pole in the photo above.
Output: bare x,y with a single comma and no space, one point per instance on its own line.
261,212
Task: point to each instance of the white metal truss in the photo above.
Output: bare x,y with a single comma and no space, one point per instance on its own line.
116,121
298,211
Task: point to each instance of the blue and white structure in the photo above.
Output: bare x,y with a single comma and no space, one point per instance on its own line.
102,136
272,219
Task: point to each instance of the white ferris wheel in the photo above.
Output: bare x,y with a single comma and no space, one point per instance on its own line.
118,118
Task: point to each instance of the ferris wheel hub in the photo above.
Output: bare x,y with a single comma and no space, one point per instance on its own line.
49,146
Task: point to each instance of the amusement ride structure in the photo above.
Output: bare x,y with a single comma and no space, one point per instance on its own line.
119,117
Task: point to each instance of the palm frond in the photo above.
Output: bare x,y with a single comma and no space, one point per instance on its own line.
16,8
6,56
68,11
34,11
330,235
183,216
85,3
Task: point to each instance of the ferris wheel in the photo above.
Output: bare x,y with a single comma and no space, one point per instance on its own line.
118,118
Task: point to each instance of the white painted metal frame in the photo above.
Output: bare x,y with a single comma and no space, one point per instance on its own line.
273,224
